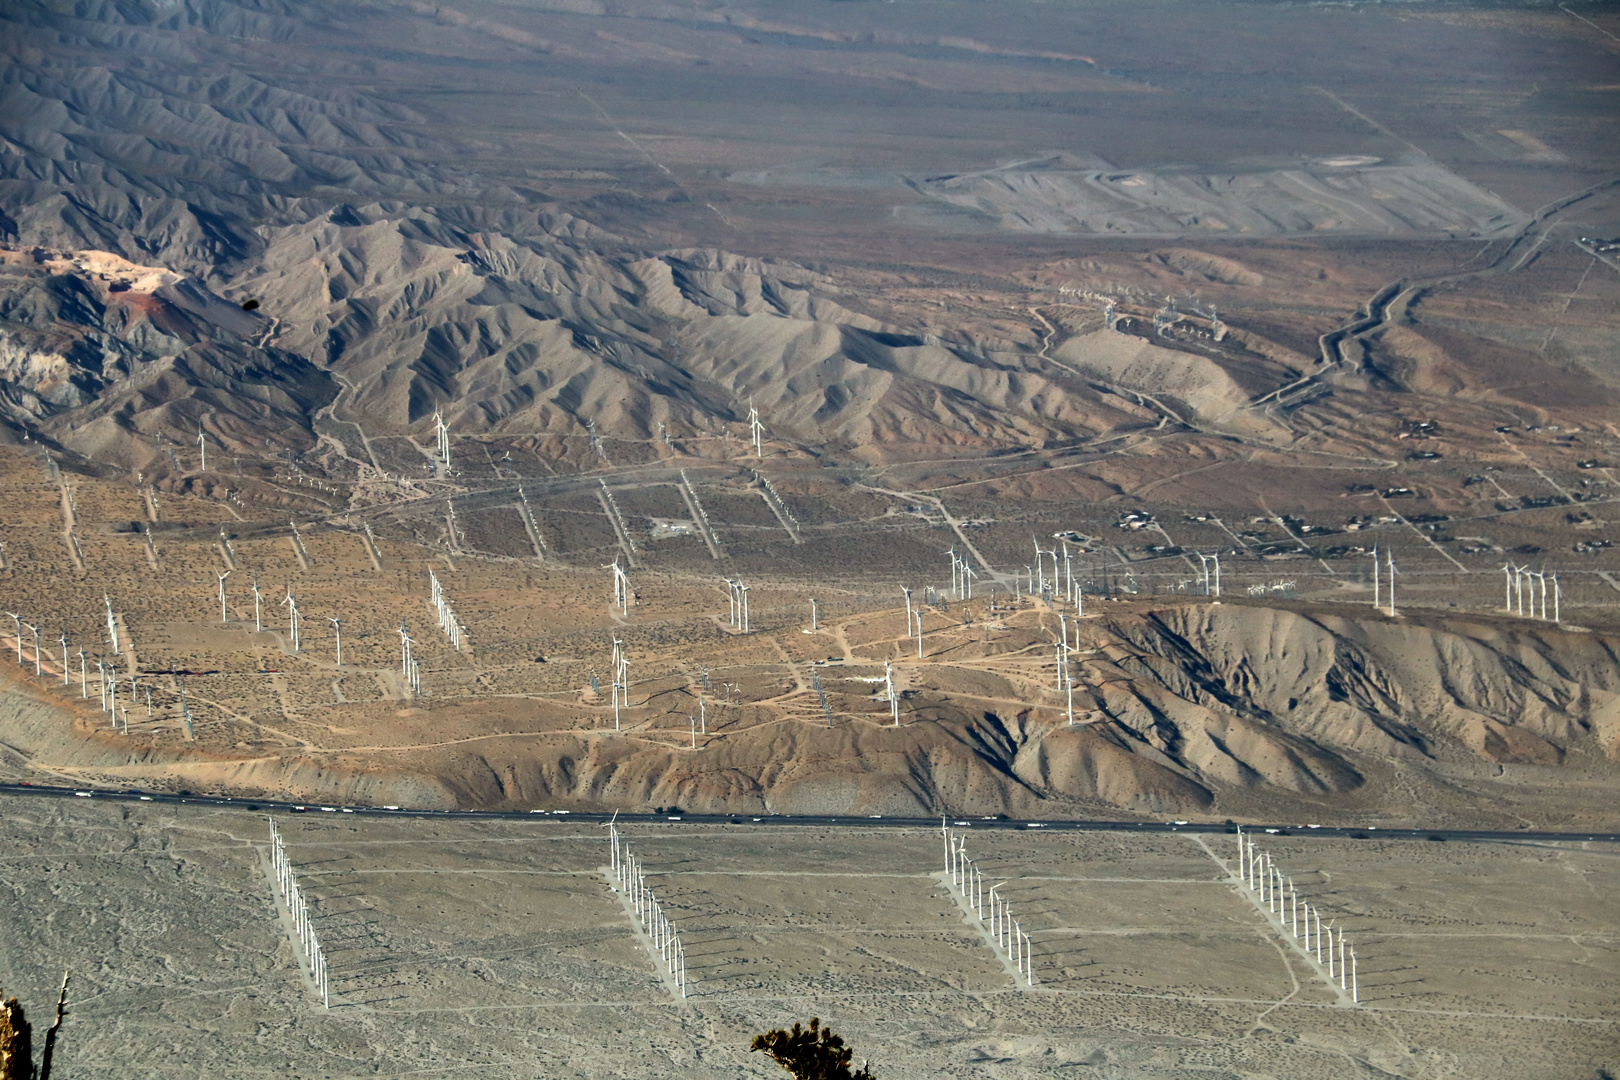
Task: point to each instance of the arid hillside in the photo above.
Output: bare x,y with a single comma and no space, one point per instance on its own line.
1284,306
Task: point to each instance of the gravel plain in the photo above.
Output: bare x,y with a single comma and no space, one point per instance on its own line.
497,949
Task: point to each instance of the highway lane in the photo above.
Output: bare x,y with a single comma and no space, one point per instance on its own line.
35,791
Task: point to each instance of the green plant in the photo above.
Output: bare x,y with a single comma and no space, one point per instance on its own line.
812,1053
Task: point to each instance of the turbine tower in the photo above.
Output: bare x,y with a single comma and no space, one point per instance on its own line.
443,435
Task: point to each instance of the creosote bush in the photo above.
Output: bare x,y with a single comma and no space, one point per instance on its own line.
812,1053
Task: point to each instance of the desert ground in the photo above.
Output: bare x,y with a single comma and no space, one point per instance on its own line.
1128,687
1105,411
499,948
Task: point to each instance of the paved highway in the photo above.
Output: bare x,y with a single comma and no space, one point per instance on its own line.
822,821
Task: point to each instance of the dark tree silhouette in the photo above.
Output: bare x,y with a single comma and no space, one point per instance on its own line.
16,1040
812,1053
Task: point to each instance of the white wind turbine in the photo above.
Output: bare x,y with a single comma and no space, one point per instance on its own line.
291,604
1390,565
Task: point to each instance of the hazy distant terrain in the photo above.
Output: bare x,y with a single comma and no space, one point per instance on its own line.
540,215
1288,283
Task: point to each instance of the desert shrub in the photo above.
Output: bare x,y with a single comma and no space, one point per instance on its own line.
812,1053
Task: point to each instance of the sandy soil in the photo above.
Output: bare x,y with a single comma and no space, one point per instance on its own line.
498,948
1288,698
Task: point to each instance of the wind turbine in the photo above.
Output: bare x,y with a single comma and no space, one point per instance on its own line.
908,609
443,434
35,629
1375,577
112,624
258,624
17,627
65,680
623,686
291,604
621,588
222,578
1389,557
337,628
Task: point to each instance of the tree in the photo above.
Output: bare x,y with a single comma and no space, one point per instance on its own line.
16,1040
812,1053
